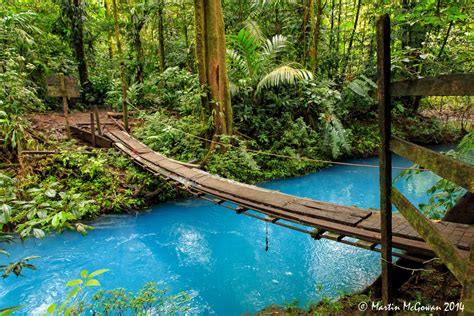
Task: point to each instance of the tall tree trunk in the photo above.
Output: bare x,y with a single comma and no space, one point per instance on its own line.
161,37
316,27
211,61
138,23
140,59
304,31
331,40
123,77
338,37
351,40
107,13
78,38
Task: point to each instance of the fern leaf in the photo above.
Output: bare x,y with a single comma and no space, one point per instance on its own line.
285,74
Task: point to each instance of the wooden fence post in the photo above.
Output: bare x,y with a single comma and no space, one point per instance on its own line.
65,104
385,156
92,128
97,118
467,296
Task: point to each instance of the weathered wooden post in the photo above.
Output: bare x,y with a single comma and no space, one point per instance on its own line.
65,104
64,87
97,118
467,296
385,156
92,128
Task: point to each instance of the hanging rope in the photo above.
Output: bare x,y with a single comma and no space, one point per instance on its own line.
266,236
259,152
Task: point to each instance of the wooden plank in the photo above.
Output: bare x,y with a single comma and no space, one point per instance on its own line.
365,244
87,136
279,200
451,169
418,247
130,142
445,85
271,219
385,156
439,243
333,236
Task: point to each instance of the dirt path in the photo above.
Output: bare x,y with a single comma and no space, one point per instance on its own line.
53,124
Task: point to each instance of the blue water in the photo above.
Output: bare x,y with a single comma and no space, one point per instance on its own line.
213,253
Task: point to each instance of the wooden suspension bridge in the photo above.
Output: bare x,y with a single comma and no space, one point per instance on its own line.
413,236
345,224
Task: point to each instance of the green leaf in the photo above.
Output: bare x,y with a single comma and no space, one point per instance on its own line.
97,272
84,273
357,88
73,292
50,193
74,282
92,282
55,220
38,233
51,308
68,311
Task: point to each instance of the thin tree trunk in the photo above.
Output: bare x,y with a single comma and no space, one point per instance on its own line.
78,38
331,40
161,37
445,41
316,35
351,40
304,31
122,66
211,59
338,36
107,13
138,23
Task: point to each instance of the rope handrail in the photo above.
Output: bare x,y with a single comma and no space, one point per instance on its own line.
290,157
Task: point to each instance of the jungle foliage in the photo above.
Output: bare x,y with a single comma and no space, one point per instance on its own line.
280,86
301,77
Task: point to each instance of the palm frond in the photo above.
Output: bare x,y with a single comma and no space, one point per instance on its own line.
237,64
286,74
275,45
21,25
254,29
244,42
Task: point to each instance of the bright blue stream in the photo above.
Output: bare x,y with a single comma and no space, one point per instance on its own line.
208,250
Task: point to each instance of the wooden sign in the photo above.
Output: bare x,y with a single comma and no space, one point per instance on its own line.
71,87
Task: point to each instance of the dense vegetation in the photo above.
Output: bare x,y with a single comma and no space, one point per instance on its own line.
279,87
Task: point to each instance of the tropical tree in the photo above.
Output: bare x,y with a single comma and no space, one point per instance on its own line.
211,63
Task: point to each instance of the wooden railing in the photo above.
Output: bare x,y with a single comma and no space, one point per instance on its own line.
446,167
